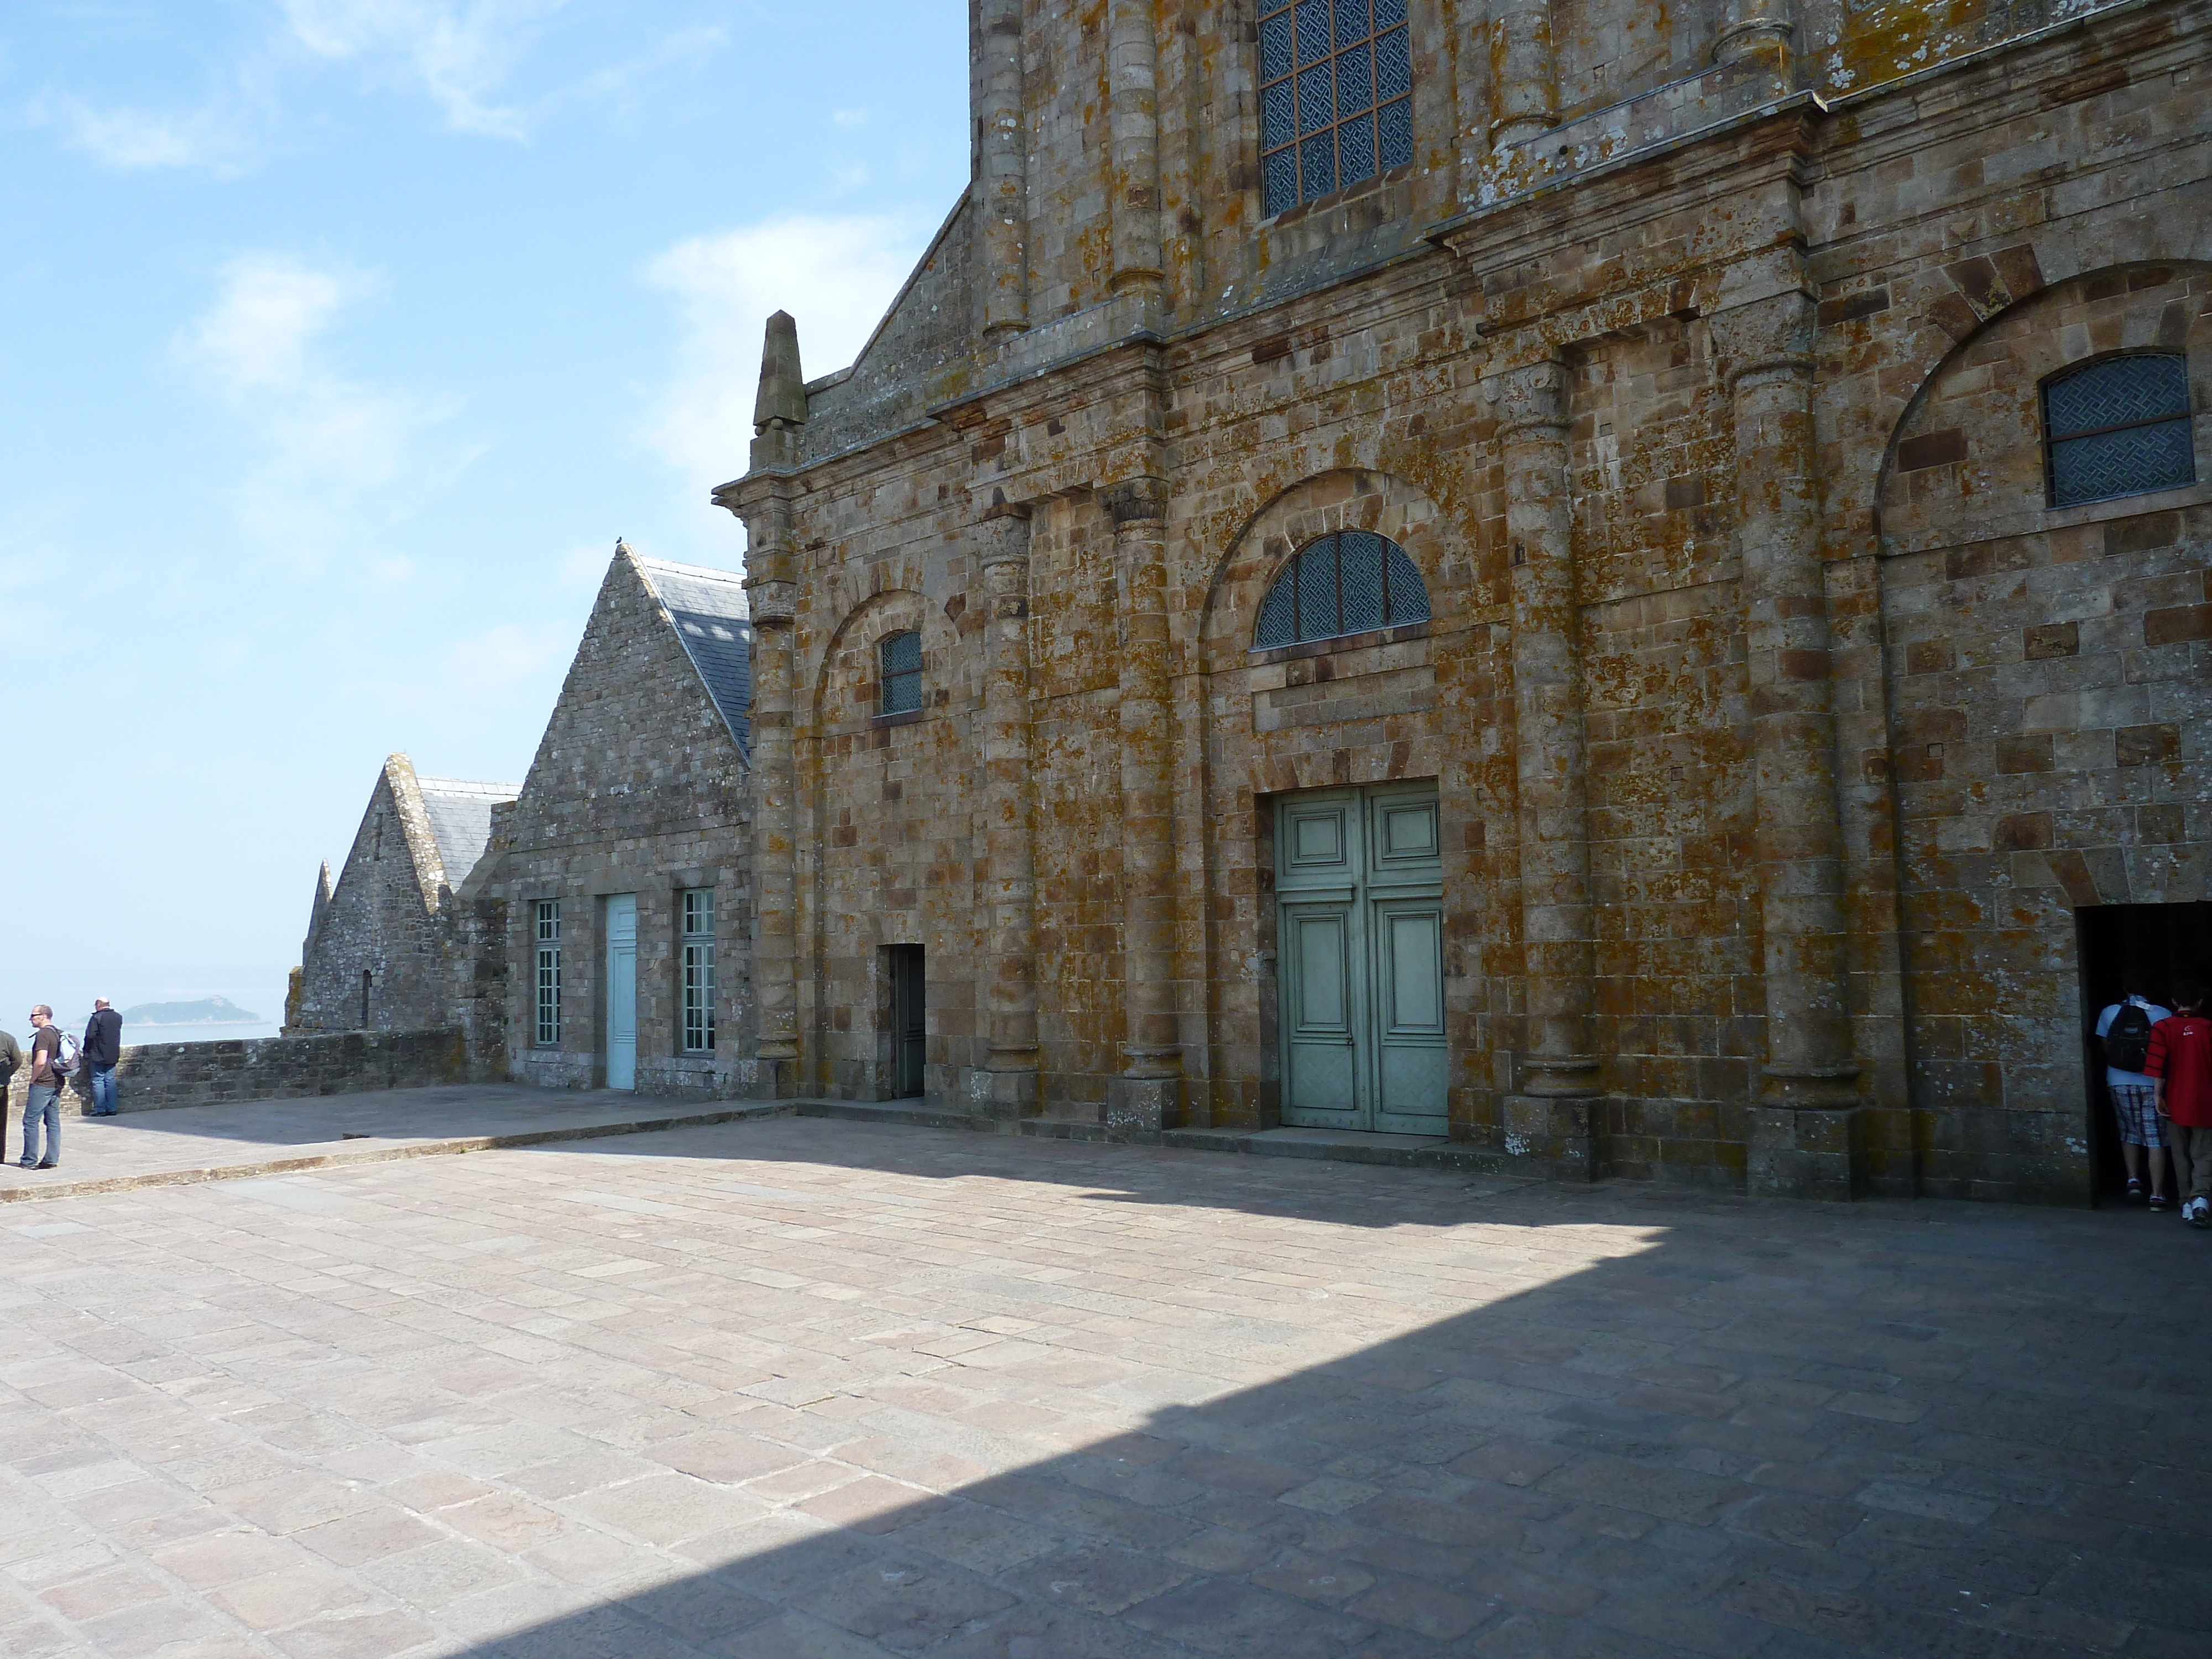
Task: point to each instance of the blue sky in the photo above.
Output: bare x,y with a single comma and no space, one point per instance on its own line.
338,341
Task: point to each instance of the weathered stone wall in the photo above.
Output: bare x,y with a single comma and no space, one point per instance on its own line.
1649,364
382,919
638,786
151,1076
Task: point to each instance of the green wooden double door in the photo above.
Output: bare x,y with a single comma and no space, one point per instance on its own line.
1360,934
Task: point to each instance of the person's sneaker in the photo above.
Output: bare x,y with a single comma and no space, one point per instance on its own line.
2160,1201
2135,1193
46,1166
2198,1212
25,1163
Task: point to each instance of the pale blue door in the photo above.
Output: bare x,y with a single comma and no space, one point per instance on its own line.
621,991
1359,937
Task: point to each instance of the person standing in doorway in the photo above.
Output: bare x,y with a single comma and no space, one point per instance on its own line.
44,1103
2124,1034
103,1046
2180,1059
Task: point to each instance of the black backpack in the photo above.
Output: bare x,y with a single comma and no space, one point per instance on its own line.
2127,1040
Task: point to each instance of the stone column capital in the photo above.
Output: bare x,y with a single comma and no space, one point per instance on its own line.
773,601
1136,500
1529,398
1770,334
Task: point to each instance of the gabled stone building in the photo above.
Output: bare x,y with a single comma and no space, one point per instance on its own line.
1624,586
622,868
387,947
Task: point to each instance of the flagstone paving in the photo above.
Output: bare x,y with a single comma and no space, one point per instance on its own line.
799,1388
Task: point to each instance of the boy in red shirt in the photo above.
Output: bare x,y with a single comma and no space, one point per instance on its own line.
2180,1060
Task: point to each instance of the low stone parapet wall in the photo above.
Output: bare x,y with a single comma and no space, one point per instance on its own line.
154,1075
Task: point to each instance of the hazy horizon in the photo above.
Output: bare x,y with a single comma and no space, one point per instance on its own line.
341,340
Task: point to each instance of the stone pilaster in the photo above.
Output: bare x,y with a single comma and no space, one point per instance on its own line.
1007,1086
772,593
1133,114
1754,31
1001,169
1148,1095
1525,80
1804,1131
1553,1118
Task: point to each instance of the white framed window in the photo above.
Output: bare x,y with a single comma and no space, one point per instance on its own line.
549,973
698,958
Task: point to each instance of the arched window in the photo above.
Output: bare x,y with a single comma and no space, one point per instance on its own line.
1345,583
901,655
1336,104
2119,428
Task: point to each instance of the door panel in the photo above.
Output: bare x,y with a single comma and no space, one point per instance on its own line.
1320,1086
1358,885
621,991
1412,1057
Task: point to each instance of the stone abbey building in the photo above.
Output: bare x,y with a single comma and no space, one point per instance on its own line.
1623,588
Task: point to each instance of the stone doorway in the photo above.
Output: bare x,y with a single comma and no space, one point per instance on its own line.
2151,944
909,1021
1360,935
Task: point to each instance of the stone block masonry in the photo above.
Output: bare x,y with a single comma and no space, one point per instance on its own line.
1783,719
152,1076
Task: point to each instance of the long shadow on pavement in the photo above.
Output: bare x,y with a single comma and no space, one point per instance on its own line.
1886,1429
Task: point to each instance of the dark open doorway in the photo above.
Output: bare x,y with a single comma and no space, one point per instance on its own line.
2146,946
909,1020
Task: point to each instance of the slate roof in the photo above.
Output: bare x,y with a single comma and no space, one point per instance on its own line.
707,610
459,811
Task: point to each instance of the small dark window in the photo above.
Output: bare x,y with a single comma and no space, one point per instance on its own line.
1336,106
2119,428
1348,583
902,662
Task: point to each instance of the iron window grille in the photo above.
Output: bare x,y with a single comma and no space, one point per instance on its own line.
1349,582
698,947
901,656
1336,105
2119,428
549,973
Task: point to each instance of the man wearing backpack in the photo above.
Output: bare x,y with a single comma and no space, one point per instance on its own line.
2180,1059
49,1069
2124,1033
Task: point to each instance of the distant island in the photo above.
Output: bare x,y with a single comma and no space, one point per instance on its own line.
208,1011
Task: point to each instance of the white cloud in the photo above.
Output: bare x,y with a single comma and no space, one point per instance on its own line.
835,275
330,456
459,52
132,139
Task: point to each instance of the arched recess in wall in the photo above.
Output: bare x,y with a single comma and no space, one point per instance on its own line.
1968,459
1346,498
2041,690
846,674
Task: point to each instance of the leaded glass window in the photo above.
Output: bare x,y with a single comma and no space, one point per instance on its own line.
698,947
1336,104
1352,582
901,663
549,973
2119,428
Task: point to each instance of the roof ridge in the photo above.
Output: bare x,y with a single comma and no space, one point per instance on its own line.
462,783
708,570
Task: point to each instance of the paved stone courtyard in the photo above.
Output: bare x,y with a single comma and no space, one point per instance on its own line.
809,1389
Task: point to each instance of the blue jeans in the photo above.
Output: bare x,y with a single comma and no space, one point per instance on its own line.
103,1092
43,1104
